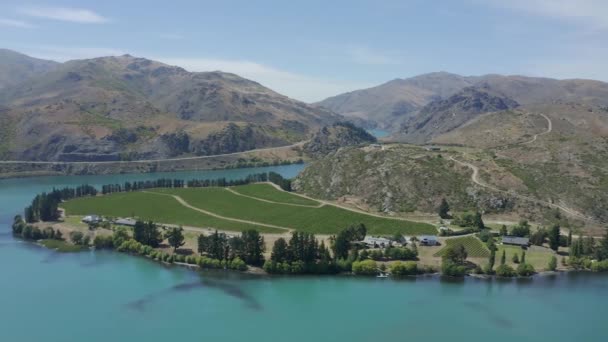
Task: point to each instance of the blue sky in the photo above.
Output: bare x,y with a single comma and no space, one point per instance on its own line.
312,49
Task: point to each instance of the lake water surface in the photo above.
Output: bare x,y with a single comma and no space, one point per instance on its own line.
106,296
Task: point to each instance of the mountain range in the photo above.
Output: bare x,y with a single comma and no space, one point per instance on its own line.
124,107
401,104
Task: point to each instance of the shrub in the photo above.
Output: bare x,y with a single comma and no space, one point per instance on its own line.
552,266
365,267
403,268
525,270
505,271
237,264
76,237
452,269
600,266
103,242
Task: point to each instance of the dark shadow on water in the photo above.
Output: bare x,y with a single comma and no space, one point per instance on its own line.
492,315
229,289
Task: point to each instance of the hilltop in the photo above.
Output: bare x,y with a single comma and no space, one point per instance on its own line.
125,107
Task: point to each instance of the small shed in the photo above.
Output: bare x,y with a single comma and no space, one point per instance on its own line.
516,241
428,240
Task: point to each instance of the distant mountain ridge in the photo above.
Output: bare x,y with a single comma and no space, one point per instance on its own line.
442,116
111,108
16,67
391,104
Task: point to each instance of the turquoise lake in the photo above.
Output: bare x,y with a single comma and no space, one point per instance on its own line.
379,133
106,296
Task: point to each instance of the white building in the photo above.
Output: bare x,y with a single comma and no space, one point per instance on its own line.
91,219
376,242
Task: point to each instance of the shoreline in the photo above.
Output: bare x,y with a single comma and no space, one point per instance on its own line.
258,271
67,171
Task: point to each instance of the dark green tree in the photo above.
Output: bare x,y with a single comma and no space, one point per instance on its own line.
444,209
523,257
175,237
478,221
253,247
503,258
554,234
515,258
552,266
503,230
491,261
280,251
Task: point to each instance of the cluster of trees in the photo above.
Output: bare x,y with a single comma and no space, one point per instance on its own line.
390,253
522,229
147,233
248,247
453,261
472,220
133,247
277,179
223,182
302,254
44,206
588,253
341,243
28,232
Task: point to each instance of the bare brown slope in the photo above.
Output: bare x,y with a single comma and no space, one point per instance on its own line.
126,107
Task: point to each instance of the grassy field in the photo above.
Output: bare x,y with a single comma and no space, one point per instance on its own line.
475,248
165,209
62,246
536,256
154,207
268,192
324,220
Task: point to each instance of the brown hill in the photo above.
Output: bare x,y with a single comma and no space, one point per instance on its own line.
126,107
391,104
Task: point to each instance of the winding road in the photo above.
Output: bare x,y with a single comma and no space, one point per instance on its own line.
475,179
549,129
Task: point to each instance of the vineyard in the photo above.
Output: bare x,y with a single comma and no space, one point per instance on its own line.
474,247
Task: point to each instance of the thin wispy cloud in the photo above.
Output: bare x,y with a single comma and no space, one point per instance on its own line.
15,23
76,15
367,56
295,85
593,13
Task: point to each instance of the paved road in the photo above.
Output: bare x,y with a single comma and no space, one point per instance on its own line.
150,160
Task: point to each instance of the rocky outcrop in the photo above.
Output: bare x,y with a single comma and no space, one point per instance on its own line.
331,138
